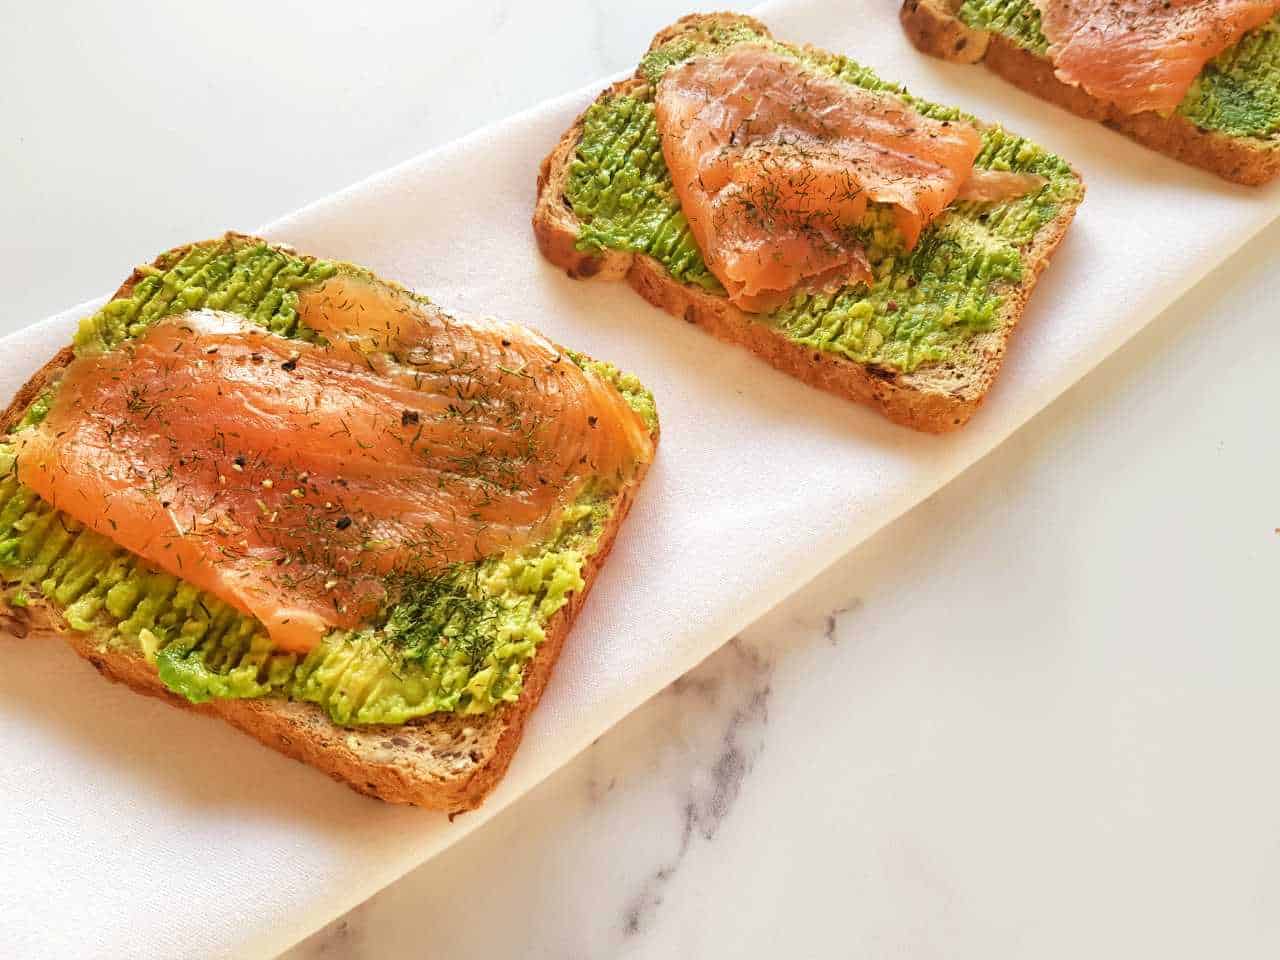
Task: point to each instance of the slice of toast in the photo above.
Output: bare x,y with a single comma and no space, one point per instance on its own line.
445,761
935,397
934,28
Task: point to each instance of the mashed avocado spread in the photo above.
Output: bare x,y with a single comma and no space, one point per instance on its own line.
455,639
1237,93
924,306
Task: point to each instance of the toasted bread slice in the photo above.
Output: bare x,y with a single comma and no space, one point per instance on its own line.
935,29
445,761
935,397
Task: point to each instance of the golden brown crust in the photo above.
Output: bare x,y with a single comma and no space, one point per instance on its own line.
944,37
442,762
1246,160
935,398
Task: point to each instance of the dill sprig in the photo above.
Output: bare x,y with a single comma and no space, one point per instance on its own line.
441,611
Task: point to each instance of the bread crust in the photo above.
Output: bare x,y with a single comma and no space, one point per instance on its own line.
935,398
441,762
933,28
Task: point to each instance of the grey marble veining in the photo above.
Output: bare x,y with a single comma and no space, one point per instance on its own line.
739,680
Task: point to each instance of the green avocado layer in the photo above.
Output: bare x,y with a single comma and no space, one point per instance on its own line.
1237,93
455,640
251,279
924,306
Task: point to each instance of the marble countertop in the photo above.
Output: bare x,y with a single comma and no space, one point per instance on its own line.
1092,603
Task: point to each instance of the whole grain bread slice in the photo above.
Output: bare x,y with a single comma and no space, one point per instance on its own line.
445,761
934,28
935,397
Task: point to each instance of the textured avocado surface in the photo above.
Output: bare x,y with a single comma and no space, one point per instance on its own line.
924,305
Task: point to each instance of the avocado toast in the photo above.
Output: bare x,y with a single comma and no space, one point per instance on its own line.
921,342
416,686
1228,121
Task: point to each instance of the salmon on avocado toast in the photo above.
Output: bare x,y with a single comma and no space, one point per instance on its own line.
787,199
1143,54
314,503
1195,79
776,165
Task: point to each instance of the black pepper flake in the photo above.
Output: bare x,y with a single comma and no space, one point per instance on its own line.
343,523
408,417
506,343
239,460
255,357
289,365
593,420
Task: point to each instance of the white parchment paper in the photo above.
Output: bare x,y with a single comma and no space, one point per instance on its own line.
133,829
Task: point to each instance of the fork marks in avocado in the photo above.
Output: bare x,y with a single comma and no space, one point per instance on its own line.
925,306
244,277
1238,92
621,190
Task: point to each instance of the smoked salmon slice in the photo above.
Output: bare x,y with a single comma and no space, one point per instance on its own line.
292,479
774,165
1143,54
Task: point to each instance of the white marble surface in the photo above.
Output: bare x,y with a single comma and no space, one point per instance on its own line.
1078,638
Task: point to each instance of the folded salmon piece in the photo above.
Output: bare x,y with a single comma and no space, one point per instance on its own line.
775,163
